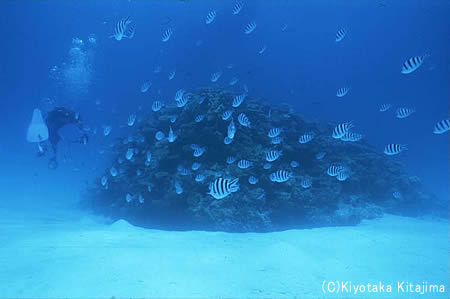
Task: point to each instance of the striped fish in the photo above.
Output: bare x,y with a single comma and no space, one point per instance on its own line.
244,164
262,50
179,95
231,131
237,100
340,130
171,74
305,138
227,140
397,195
385,107
404,112
341,92
274,132
182,101
412,64
104,180
415,179
340,34
334,170
196,166
181,170
215,76
148,156
172,118
199,118
233,81
306,183
253,180
352,137
221,187
199,178
210,17
442,126
227,114
394,149
231,159
272,155
244,121
145,86
237,8
172,136
107,130
250,27
156,106
276,140
320,155
280,176
157,69
178,188
123,29
166,35
128,197
113,171
131,120
129,154
199,151
148,159
159,135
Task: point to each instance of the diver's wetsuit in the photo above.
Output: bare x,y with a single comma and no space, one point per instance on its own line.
56,119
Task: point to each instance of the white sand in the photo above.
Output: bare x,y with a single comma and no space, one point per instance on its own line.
47,257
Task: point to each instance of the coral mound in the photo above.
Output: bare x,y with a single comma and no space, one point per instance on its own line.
168,193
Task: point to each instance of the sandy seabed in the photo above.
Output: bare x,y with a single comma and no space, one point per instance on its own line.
80,257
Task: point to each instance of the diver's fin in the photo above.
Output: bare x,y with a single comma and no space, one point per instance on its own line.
37,130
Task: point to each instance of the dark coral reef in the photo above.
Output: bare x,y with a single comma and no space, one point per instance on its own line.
167,193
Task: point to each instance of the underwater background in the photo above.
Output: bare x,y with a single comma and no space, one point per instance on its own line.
44,65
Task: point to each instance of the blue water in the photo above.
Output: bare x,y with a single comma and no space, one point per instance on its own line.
302,66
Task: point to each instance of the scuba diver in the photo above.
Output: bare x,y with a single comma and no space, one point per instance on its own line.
55,120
